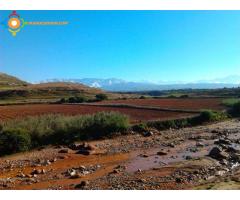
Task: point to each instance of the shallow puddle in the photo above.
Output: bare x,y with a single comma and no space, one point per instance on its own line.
148,159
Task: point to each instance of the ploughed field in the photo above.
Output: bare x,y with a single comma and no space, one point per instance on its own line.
136,115
170,103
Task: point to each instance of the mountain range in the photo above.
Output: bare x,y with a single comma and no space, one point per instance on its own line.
115,85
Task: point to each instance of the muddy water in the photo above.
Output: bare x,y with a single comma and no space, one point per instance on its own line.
149,159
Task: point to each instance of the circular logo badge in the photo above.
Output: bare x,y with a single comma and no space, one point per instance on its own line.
14,23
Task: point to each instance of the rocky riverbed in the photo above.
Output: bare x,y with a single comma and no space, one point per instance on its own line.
203,157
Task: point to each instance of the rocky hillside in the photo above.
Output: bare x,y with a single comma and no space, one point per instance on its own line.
12,88
7,81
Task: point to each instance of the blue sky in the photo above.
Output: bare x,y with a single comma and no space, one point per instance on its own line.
131,45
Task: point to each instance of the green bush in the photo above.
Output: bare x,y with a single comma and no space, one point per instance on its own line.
104,125
101,97
235,110
230,102
52,129
205,116
184,96
14,140
76,99
140,127
62,100
164,125
211,116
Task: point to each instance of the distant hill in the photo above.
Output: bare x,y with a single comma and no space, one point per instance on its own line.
7,81
118,85
12,88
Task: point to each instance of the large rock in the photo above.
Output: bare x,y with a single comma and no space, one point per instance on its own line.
218,154
86,149
233,149
223,141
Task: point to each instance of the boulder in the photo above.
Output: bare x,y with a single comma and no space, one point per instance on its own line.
218,154
223,141
233,149
86,149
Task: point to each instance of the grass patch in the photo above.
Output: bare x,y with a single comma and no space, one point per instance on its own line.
235,109
58,129
204,117
230,102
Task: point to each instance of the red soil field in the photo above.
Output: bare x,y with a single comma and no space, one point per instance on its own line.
136,115
190,104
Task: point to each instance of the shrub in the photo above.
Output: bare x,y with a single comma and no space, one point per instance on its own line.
205,116
142,97
235,110
105,124
140,127
171,96
76,99
184,96
53,129
62,100
101,97
209,116
163,125
230,102
14,140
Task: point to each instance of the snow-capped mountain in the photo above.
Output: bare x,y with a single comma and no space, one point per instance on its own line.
114,84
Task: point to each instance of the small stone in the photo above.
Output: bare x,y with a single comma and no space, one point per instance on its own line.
188,157
29,176
82,168
144,155
219,173
162,153
36,171
179,180
62,157
148,134
53,160
82,185
199,144
115,171
171,145
64,151
75,176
